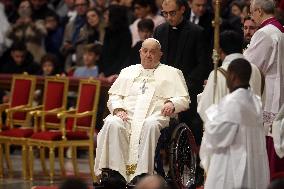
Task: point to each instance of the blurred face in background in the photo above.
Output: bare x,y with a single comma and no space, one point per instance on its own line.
89,58
93,18
37,4
25,9
198,7
69,3
145,34
50,23
140,11
47,68
106,17
18,56
235,10
81,7
172,12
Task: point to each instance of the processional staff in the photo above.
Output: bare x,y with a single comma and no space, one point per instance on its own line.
215,55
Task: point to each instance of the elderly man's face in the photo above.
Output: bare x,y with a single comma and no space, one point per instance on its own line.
172,12
256,14
249,29
150,54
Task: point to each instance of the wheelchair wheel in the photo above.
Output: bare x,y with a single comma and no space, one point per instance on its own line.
183,154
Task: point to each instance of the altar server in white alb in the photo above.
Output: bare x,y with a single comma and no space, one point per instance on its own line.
266,51
231,44
234,137
141,101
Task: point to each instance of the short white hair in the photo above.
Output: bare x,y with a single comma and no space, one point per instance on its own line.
268,6
153,39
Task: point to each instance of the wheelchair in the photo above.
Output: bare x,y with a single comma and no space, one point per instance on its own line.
181,151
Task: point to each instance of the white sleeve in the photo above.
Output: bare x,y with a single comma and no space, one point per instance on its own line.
114,101
260,50
180,103
206,99
220,135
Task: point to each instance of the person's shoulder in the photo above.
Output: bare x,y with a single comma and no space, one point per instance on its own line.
162,26
168,68
194,27
131,68
268,31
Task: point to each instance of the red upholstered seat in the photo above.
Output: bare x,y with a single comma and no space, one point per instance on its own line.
47,135
17,122
57,135
20,96
80,122
47,122
77,135
17,132
86,103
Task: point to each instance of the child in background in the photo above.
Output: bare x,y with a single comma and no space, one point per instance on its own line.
49,67
49,64
91,56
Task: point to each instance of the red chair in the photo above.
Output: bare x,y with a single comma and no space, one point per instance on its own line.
46,123
18,122
80,134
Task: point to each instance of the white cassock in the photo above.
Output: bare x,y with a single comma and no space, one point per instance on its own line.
129,147
266,51
234,142
206,97
278,133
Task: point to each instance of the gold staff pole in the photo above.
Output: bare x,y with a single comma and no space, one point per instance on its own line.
215,55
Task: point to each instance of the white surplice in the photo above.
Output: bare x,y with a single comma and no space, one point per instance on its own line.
129,147
278,133
206,97
233,149
266,51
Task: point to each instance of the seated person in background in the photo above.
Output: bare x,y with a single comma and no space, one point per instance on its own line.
141,101
18,60
145,30
233,149
49,65
91,55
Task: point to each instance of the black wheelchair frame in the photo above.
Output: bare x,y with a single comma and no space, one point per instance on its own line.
181,150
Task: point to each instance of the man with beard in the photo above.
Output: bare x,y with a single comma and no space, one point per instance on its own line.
249,29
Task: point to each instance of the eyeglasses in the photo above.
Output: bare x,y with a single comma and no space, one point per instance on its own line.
170,13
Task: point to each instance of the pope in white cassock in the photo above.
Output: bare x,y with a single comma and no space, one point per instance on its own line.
234,137
266,51
141,101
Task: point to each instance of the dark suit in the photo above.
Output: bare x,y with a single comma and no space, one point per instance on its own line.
191,57
205,21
